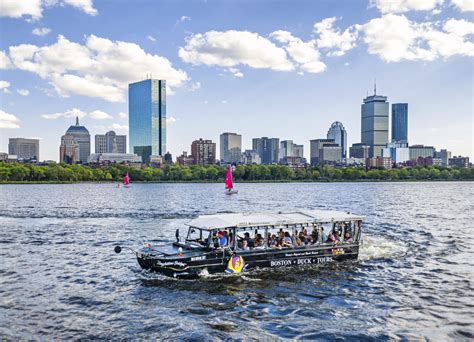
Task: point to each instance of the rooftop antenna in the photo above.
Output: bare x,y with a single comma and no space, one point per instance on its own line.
375,86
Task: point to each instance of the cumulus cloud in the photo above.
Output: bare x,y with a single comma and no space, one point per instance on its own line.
151,38
333,39
183,18
305,54
85,6
401,6
232,48
236,72
195,86
123,115
4,61
99,68
41,31
394,38
99,115
4,85
23,92
119,127
464,5
170,120
33,9
8,120
72,113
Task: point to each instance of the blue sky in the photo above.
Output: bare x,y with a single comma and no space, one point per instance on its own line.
284,69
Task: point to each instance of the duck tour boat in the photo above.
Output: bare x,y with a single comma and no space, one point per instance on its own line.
238,242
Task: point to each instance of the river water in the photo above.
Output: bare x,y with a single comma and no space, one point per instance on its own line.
59,276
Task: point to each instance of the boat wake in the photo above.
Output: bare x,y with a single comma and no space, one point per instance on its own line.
380,248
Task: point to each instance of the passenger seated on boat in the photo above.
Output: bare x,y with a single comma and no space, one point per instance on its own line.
259,241
286,242
348,237
331,238
272,241
248,239
245,246
222,239
230,238
215,240
314,235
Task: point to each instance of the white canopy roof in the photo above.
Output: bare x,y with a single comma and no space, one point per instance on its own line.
270,219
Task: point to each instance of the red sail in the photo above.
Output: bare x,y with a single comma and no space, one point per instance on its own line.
126,179
228,179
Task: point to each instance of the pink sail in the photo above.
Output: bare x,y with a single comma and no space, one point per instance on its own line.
126,179
228,179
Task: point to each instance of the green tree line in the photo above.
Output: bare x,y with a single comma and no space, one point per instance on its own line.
16,172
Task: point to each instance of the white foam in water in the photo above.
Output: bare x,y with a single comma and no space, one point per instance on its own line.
379,248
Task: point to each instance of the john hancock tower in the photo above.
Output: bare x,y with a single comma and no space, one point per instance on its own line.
147,118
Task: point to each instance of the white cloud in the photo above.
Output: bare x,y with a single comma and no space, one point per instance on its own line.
72,113
464,5
170,120
41,31
123,115
183,18
232,48
99,115
195,86
401,6
394,38
119,127
84,5
224,101
8,120
17,9
4,61
4,86
34,8
305,54
151,38
23,92
100,68
333,39
236,72
459,28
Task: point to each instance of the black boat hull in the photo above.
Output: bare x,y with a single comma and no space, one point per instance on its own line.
216,261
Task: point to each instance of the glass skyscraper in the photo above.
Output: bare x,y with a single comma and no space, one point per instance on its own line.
400,122
374,124
338,133
147,118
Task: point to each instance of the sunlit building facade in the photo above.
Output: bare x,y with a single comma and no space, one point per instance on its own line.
147,118
338,133
374,123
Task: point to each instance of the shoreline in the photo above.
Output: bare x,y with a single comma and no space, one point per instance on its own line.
244,182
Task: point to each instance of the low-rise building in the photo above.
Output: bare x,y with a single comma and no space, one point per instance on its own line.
114,158
379,162
185,160
421,151
168,159
398,151
444,155
24,149
359,150
250,157
459,161
110,143
203,152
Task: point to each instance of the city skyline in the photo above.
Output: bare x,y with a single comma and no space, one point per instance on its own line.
215,93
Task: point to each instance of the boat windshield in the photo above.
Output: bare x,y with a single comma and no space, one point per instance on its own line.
197,236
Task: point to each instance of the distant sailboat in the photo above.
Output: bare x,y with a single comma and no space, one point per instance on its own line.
228,183
126,180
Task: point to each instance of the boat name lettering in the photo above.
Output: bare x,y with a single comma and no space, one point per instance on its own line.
302,261
174,263
198,258
301,253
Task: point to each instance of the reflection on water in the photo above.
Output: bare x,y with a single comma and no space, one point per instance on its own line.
59,276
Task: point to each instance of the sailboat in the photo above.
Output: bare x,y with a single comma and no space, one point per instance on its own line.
229,186
126,180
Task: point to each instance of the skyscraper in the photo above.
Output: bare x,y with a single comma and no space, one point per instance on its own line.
231,147
27,149
374,123
400,122
110,143
338,133
147,118
267,148
83,139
